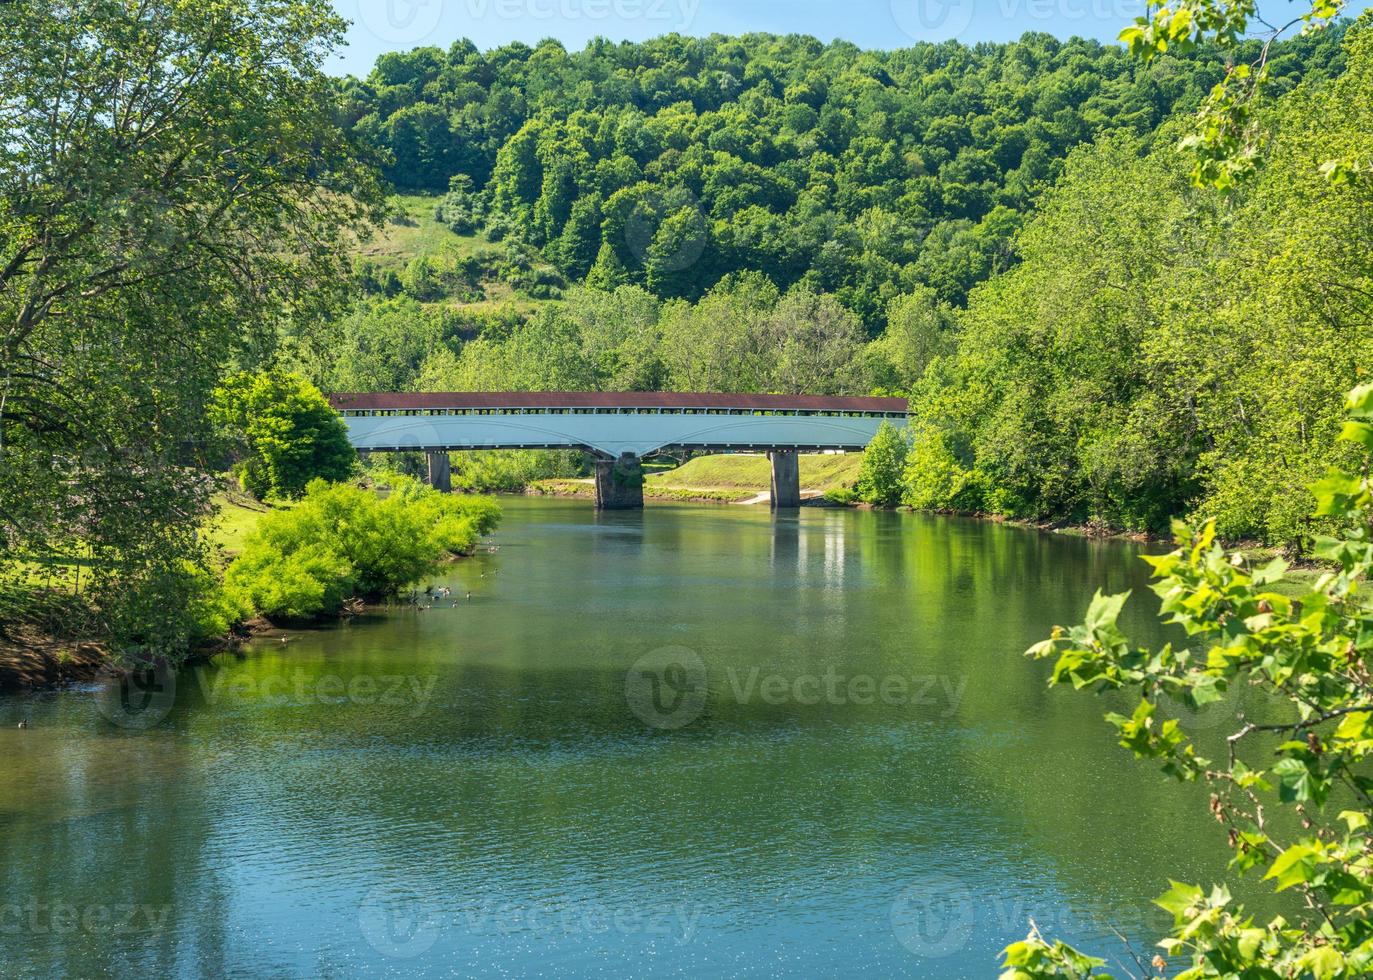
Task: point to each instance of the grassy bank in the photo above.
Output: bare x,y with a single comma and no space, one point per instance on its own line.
746,471
309,559
726,478
652,491
235,518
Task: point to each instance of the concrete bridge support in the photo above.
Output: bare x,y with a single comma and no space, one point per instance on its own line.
440,472
619,483
786,479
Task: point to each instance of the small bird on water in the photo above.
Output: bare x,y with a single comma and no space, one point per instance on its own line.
24,723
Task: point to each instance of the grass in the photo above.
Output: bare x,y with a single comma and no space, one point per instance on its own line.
746,471
652,491
236,516
396,243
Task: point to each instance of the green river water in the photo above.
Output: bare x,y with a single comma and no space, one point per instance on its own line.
692,740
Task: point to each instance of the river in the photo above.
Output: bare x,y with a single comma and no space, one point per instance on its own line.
691,740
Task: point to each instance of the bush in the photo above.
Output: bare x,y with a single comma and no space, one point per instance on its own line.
841,495
934,477
884,466
460,209
342,541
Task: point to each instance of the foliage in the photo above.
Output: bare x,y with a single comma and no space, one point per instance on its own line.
1305,751
919,328
1162,351
935,477
382,344
341,541
880,478
1224,142
289,430
511,470
674,162
174,193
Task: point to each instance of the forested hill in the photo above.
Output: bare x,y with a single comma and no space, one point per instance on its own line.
673,162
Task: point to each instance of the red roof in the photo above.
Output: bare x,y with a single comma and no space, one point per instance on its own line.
609,399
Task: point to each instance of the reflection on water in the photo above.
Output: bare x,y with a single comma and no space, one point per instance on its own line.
693,740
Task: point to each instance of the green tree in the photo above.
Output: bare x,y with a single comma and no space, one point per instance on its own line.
175,195
1303,751
919,329
382,346
607,272
881,475
1225,142
288,429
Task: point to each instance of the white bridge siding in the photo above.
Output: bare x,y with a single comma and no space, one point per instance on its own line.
612,432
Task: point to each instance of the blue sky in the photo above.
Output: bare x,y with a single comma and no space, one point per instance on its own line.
388,25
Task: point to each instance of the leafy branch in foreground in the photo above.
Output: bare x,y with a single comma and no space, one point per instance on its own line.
1224,144
1305,757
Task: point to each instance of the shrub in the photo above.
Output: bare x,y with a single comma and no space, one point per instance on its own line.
841,495
511,470
342,541
935,479
884,466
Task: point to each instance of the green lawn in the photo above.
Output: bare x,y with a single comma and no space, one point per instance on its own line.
740,471
237,515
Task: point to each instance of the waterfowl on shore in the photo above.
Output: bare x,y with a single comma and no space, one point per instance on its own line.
23,723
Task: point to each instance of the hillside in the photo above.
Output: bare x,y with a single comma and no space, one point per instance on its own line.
677,161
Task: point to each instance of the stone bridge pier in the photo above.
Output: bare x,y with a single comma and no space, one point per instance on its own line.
619,483
440,472
786,479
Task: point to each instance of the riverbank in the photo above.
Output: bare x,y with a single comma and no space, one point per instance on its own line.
652,491
52,636
725,478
